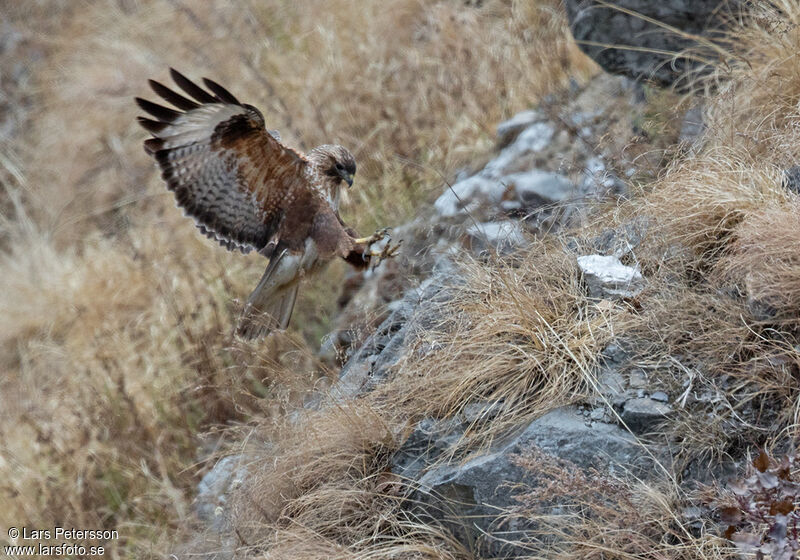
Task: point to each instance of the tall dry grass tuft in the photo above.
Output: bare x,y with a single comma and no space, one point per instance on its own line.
520,337
323,489
765,263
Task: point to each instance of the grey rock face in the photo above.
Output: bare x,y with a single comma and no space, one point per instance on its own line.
693,125
468,194
598,179
596,26
501,236
476,490
643,414
607,277
507,131
213,491
791,179
535,187
371,363
622,240
535,138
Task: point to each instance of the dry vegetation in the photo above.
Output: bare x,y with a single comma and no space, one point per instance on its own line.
122,382
119,370
719,313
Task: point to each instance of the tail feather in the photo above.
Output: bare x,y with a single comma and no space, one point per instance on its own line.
265,315
270,305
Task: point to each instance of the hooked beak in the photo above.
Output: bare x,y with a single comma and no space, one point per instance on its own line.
346,177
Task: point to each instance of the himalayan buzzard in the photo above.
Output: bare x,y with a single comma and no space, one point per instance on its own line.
248,191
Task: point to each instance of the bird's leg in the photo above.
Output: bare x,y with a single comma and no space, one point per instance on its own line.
377,236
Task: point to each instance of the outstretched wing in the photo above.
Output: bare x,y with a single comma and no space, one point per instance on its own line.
227,172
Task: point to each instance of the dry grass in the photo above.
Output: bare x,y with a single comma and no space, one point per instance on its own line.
120,374
521,334
323,490
605,518
764,261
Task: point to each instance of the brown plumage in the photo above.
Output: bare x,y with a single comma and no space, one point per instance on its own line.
247,190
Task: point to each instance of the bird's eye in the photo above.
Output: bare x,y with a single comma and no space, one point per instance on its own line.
339,166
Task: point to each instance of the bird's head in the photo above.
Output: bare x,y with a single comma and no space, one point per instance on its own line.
335,162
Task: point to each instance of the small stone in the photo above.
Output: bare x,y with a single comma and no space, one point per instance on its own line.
481,411
534,138
536,188
641,414
469,194
693,125
501,235
508,130
660,396
607,277
610,382
598,414
637,379
791,179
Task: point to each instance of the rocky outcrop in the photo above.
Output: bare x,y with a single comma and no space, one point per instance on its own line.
470,498
643,39
540,177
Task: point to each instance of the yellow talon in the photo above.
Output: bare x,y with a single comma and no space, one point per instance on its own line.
388,251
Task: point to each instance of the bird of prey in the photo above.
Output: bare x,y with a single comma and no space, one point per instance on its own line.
248,191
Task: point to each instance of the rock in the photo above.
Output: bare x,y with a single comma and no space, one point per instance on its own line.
621,240
536,188
660,396
507,131
481,411
213,489
467,195
606,277
642,414
693,126
502,236
372,361
534,138
610,382
598,28
791,179
429,440
599,180
476,492
637,379
598,414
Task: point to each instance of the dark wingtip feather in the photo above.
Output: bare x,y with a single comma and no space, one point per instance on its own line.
223,94
173,97
191,88
153,145
160,112
151,126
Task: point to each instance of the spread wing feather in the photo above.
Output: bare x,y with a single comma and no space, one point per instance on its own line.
227,172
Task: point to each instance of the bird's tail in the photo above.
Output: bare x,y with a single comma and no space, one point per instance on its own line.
270,305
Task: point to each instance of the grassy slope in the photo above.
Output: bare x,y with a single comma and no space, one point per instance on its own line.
119,368
116,347
721,235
